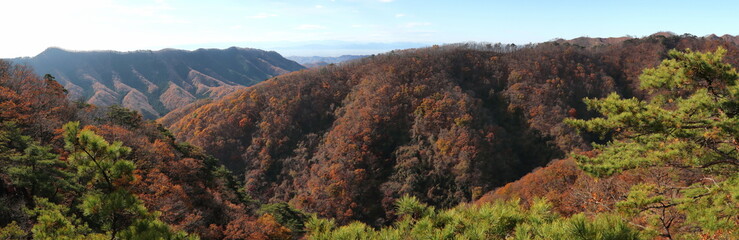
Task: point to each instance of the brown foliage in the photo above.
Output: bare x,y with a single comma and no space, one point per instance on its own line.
571,191
181,187
567,187
441,123
263,228
38,105
171,178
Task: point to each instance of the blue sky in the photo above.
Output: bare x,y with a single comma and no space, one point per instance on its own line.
335,27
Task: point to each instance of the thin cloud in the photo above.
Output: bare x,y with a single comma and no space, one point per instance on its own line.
399,15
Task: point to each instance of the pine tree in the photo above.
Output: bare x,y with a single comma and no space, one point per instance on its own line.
32,168
41,173
689,124
498,220
107,204
55,221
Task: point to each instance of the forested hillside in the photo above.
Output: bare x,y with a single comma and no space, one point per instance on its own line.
616,139
669,170
671,165
156,82
444,124
72,170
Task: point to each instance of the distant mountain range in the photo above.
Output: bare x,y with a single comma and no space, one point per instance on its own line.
156,82
592,42
315,61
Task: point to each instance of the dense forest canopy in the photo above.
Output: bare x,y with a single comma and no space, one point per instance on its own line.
671,163
71,170
445,124
627,139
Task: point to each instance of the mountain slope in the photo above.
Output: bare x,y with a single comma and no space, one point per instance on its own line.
445,124
156,82
190,190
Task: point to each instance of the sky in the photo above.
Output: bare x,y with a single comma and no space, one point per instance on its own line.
336,27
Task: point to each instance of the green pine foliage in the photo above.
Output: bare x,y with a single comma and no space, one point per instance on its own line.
34,170
580,227
499,220
287,216
690,122
94,178
688,125
107,205
12,231
41,172
33,167
143,229
54,221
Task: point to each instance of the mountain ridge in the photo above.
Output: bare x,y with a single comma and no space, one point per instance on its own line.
164,80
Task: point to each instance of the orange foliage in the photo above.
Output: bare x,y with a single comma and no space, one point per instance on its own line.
264,228
177,184
38,105
442,124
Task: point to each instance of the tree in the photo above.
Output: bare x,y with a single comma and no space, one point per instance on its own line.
498,220
55,222
108,205
124,117
287,216
41,173
32,167
688,125
263,228
12,231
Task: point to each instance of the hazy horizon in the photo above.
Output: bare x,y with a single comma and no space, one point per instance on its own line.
306,28
320,48
286,49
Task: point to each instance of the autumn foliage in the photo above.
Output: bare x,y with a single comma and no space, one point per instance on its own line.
445,124
185,187
376,145
670,165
